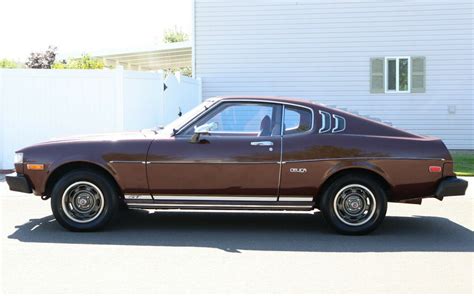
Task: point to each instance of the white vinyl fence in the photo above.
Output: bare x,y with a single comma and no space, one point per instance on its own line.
37,105
181,95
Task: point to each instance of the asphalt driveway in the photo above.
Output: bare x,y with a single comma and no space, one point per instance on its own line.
427,248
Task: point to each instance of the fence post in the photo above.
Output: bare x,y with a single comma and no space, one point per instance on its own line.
161,75
2,120
119,124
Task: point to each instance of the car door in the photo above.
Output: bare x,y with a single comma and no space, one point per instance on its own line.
239,160
300,172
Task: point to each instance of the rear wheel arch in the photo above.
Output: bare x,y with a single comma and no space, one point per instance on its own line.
353,171
65,168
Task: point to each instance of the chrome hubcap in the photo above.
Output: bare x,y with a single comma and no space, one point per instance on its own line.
354,205
83,202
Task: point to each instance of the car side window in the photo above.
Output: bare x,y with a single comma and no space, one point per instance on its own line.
242,119
297,120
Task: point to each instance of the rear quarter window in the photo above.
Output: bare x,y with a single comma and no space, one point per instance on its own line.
297,120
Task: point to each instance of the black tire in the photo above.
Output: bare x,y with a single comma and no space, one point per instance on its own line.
354,204
122,206
92,191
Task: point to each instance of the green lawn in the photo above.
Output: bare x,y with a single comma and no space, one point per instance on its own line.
463,163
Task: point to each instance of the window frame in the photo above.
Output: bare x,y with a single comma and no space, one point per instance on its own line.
215,109
180,132
283,113
397,74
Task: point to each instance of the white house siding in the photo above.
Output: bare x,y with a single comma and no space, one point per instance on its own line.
321,50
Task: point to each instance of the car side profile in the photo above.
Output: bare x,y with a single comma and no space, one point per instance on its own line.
241,153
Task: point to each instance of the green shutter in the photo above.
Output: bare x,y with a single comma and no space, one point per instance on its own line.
418,76
377,80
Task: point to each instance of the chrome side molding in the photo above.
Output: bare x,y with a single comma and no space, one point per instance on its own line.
164,205
137,197
210,198
290,203
213,198
296,198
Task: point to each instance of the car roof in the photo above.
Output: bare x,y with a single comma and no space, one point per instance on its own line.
288,100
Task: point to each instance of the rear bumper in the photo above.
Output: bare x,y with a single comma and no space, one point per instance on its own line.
451,186
18,182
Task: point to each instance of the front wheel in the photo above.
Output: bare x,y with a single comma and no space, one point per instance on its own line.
354,204
84,200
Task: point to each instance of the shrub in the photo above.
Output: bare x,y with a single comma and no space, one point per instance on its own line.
185,71
10,64
85,62
42,60
175,35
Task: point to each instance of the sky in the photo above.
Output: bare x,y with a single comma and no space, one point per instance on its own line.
87,26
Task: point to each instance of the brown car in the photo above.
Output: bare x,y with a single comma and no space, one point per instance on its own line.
245,153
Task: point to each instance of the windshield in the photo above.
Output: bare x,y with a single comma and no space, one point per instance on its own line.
185,118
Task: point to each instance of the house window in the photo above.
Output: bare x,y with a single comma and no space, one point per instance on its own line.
397,74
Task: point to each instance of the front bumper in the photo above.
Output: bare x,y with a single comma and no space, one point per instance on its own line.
18,182
451,186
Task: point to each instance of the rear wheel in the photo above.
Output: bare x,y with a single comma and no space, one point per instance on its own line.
354,204
84,200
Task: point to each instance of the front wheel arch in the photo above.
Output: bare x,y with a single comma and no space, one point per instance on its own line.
65,168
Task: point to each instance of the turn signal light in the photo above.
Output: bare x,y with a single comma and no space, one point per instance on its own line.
35,167
435,169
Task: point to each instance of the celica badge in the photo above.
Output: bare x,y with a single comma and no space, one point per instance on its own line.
298,170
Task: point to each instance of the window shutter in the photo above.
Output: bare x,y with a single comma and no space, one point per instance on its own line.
418,77
377,75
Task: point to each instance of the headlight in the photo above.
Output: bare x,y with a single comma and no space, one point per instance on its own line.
19,157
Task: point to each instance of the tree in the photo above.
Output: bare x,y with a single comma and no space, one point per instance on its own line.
174,35
10,64
84,62
185,71
42,60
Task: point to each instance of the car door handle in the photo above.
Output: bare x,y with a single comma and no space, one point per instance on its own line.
262,143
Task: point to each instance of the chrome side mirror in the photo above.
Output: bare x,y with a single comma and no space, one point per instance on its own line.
204,129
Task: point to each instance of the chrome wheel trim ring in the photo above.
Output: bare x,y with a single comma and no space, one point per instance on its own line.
78,203
360,204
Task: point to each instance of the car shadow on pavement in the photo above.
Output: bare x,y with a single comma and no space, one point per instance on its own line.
233,232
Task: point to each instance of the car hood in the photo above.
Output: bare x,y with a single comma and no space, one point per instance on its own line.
105,137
